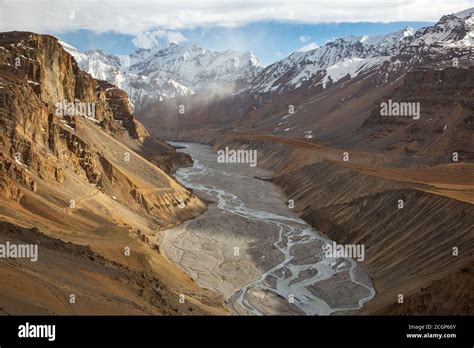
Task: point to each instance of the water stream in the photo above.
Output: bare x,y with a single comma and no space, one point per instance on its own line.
291,281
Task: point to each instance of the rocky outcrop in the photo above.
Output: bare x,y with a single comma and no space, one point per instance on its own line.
57,119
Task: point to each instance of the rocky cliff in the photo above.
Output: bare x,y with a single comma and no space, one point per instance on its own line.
74,161
43,137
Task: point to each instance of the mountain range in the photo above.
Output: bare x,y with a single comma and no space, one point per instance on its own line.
93,189
332,94
160,73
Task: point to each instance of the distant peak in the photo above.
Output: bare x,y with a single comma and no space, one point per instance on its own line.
408,31
96,50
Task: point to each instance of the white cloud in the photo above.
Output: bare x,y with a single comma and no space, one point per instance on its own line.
304,38
138,16
308,47
154,38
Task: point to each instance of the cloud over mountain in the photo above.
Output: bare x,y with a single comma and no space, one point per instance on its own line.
155,38
138,16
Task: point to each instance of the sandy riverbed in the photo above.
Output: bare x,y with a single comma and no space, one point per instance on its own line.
253,249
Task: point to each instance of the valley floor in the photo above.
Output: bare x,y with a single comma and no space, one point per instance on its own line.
253,249
418,251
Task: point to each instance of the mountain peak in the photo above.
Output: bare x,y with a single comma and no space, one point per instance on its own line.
408,31
96,51
168,71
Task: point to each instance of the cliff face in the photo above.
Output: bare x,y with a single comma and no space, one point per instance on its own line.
74,164
44,136
40,62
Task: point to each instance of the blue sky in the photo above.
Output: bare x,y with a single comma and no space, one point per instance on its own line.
270,40
270,28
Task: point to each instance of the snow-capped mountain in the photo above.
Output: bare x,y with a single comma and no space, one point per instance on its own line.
194,66
350,56
330,62
96,62
332,89
159,73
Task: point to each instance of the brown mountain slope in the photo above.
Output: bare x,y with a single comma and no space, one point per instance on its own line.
446,123
409,251
346,115
84,177
100,286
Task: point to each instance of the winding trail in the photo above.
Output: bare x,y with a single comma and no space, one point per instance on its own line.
304,280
